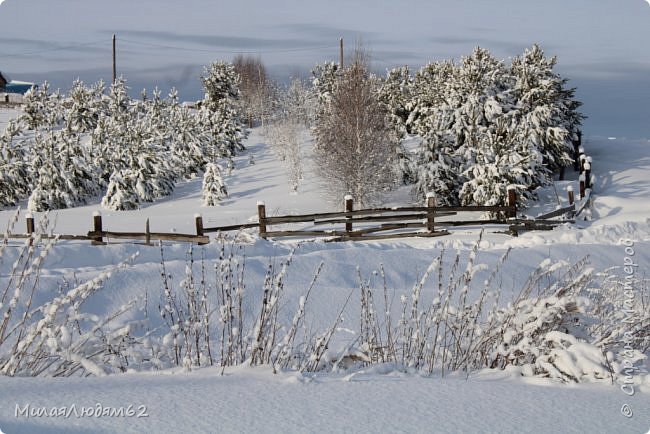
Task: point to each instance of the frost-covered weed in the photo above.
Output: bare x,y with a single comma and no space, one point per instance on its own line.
57,337
566,323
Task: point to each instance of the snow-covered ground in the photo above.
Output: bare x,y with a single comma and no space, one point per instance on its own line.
379,399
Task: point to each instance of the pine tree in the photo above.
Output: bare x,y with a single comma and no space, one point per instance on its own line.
218,113
13,171
220,83
79,110
501,161
438,169
120,194
396,93
189,142
52,188
547,111
324,78
214,189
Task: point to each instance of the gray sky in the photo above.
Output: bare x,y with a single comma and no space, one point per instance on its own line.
603,46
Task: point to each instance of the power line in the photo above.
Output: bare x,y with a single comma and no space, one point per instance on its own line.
47,50
214,50
168,47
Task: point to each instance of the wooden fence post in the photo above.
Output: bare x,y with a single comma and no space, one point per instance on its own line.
97,227
261,217
582,186
431,204
349,206
198,220
587,175
147,233
583,159
569,191
29,220
512,202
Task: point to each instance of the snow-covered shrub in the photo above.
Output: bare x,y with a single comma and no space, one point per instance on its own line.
547,331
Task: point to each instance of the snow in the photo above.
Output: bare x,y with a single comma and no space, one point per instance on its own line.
256,401
381,398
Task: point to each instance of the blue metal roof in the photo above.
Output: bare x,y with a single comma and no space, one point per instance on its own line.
17,87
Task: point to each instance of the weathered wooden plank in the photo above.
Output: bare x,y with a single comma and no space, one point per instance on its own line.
418,216
388,227
49,237
304,218
390,236
152,235
470,222
276,234
556,213
231,227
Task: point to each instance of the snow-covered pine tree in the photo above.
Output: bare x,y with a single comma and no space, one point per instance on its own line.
547,112
120,194
34,107
147,160
189,142
218,113
220,84
75,161
546,108
214,189
396,93
500,161
79,115
53,188
485,127
438,169
14,183
431,90
106,155
324,77
225,134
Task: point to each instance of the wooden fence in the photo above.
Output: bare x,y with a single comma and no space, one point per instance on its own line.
99,236
350,224
399,222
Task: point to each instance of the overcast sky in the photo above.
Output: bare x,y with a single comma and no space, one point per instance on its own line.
603,46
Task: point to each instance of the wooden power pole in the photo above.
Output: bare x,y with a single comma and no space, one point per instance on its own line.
341,53
114,66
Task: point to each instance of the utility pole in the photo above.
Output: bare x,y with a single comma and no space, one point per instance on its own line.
114,66
341,53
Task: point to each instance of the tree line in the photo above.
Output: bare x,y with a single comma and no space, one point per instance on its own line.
481,125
